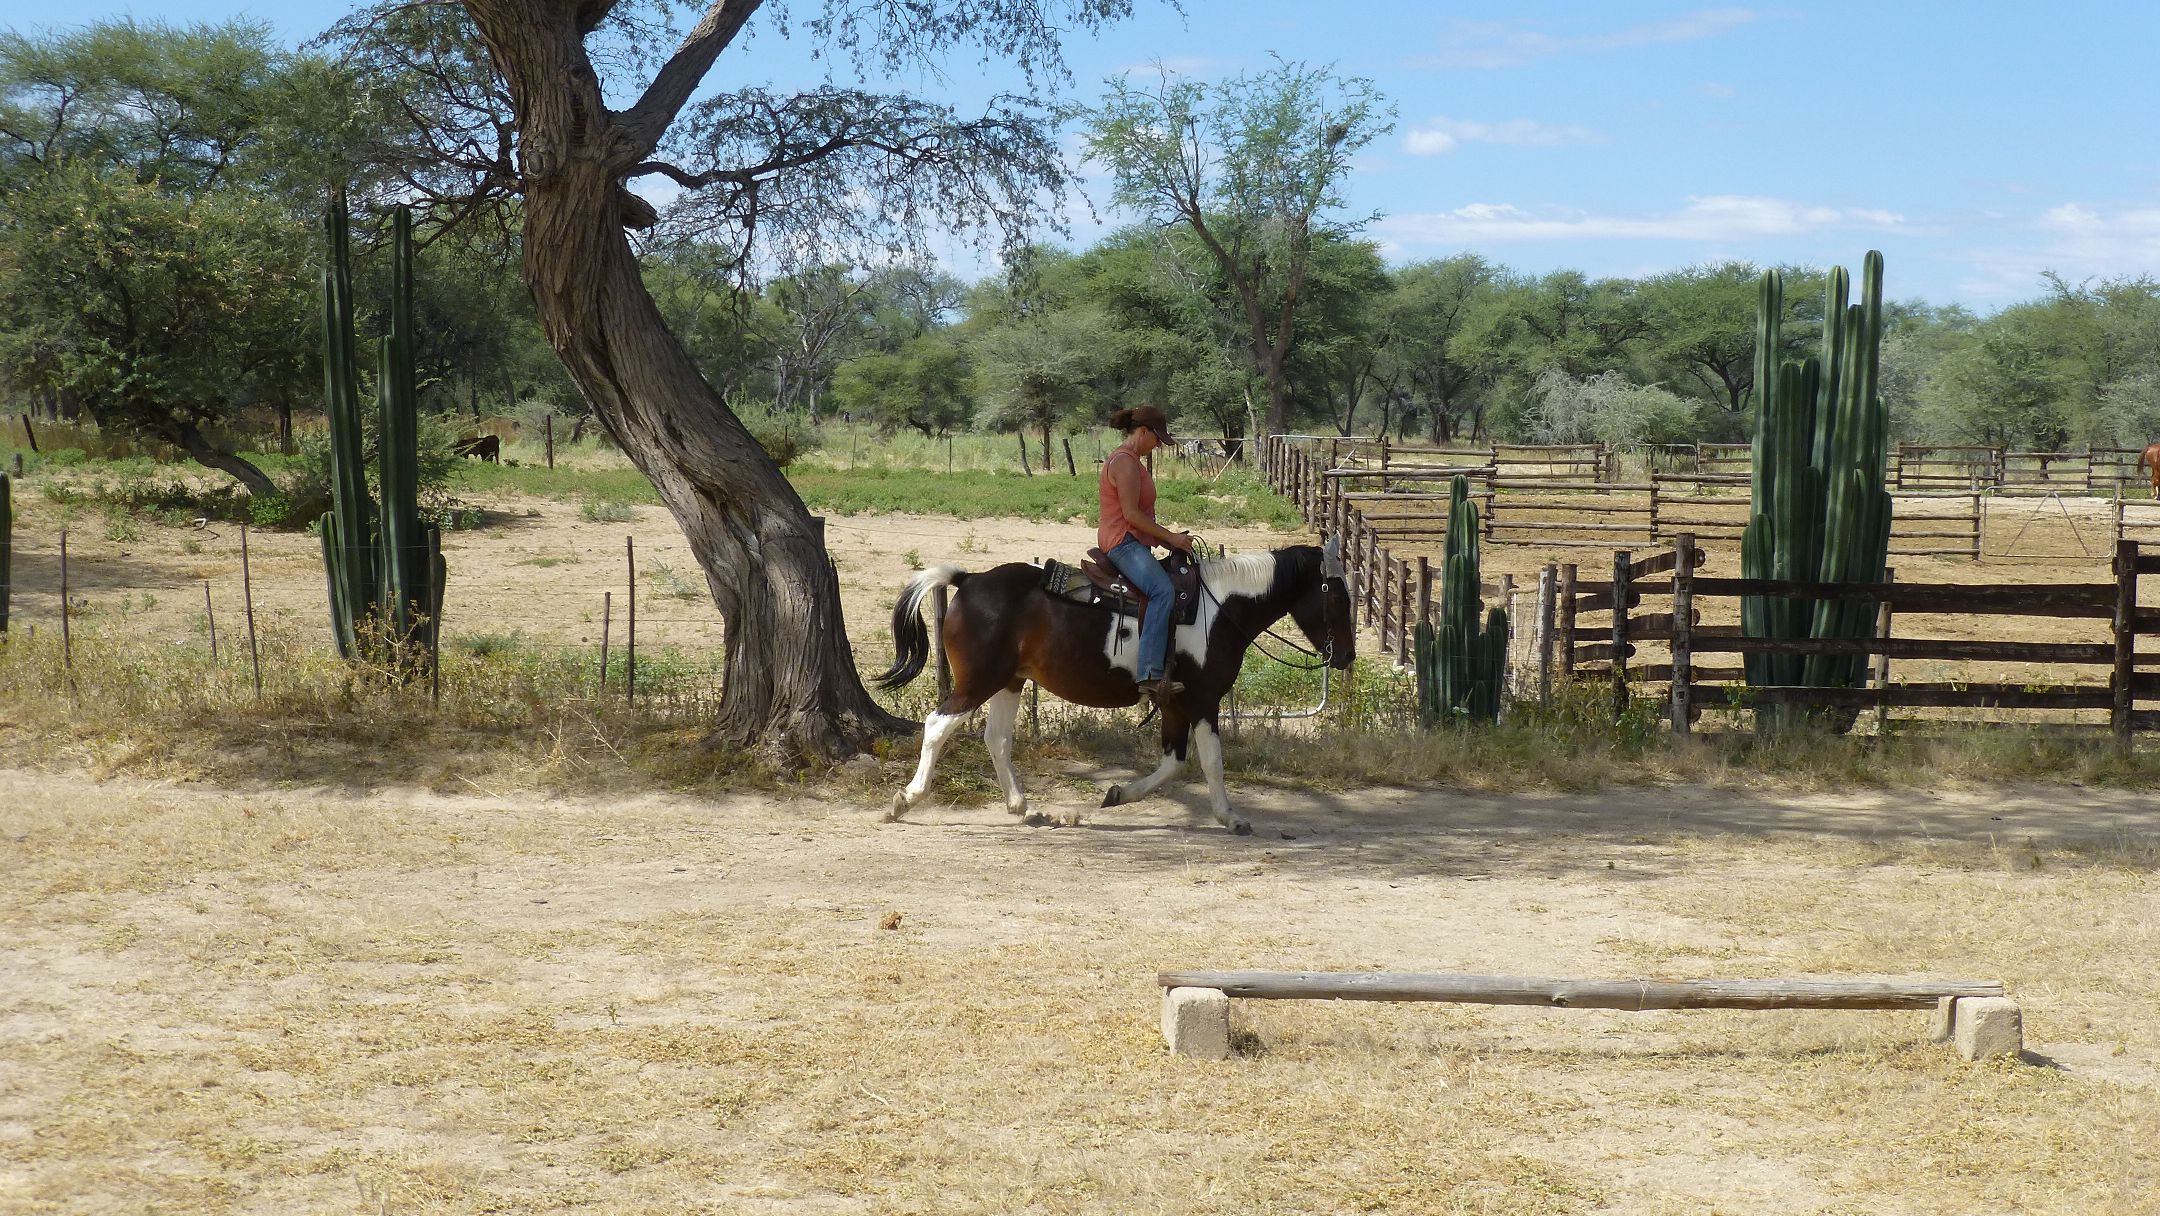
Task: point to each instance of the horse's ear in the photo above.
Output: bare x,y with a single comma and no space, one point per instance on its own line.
1331,557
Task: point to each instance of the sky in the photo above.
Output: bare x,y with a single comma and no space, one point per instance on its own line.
1978,145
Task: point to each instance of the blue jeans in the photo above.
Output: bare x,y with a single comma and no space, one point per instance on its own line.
1136,561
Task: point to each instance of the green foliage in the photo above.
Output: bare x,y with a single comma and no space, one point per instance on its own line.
1819,511
1608,408
1461,668
384,561
925,385
784,435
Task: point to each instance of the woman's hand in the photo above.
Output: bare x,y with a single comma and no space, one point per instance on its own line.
1181,542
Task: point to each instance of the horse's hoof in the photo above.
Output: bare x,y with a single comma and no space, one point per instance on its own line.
1037,820
1241,827
1070,819
1020,810
899,808
1114,796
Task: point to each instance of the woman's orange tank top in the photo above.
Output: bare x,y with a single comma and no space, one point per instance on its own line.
1115,527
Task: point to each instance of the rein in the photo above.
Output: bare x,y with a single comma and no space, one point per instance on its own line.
1269,630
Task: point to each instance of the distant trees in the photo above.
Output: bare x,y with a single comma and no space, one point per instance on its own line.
1252,167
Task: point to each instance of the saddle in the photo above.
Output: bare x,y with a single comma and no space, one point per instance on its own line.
1098,584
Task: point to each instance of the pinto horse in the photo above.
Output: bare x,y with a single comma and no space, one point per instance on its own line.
1004,629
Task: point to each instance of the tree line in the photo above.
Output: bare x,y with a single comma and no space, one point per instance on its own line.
158,254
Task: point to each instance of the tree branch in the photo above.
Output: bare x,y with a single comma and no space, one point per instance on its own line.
639,128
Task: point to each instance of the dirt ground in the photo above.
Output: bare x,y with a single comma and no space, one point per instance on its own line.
537,568
289,1000
270,1000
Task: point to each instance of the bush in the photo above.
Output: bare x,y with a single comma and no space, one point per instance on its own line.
305,485
783,436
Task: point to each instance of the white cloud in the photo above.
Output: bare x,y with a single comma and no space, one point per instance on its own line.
1721,217
1507,44
1443,135
2075,240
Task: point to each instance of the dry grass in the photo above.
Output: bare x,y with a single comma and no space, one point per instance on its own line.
305,1000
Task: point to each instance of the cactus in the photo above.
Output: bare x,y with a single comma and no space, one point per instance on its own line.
384,565
1819,511
7,547
1458,667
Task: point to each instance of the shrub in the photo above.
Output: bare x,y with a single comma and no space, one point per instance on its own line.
783,436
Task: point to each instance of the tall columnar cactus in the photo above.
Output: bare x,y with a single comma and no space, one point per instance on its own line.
1460,668
384,563
7,547
1819,512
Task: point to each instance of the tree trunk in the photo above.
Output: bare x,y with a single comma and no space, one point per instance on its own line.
284,428
206,454
791,683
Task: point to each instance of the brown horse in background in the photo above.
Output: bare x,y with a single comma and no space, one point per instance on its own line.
2150,459
1004,629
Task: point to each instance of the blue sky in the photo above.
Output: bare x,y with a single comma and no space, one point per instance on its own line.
1976,144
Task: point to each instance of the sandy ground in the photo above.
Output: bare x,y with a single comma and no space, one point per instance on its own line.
306,1000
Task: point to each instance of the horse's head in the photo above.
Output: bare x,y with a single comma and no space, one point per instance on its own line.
1322,608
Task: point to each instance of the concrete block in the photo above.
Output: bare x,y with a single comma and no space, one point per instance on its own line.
1945,1019
1984,1027
1196,1022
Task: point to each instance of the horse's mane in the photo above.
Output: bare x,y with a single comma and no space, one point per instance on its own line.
1257,574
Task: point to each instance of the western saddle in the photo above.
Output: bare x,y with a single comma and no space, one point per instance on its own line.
1104,587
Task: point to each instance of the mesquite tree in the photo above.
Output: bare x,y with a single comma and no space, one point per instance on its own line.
560,110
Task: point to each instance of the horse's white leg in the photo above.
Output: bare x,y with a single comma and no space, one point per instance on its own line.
937,731
1119,795
1209,744
1001,714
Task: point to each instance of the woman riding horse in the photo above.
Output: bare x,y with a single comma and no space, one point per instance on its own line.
1126,532
1005,628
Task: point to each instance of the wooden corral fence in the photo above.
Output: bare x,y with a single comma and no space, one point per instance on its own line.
1602,627
1390,496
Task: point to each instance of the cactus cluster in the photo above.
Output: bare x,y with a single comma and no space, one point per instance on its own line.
1460,667
384,561
1819,511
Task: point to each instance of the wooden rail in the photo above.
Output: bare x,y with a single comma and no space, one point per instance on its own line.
1631,995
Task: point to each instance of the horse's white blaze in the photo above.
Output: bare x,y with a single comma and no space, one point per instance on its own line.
1248,574
937,731
1001,714
1209,745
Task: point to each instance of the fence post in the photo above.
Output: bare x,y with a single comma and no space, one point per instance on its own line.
630,626
1386,563
937,640
1654,476
67,643
547,422
1546,578
1882,661
1070,467
247,605
1424,589
1403,623
1621,584
210,615
607,619
1383,463
1024,468
1683,643
1566,595
2126,592
1978,519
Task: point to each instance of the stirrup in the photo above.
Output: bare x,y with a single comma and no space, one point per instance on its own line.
1160,689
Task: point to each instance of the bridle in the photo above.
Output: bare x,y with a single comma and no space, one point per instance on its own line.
1331,568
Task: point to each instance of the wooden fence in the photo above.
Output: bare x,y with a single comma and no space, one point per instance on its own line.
1602,626
1385,498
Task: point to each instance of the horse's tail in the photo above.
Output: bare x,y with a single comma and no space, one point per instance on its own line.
911,638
